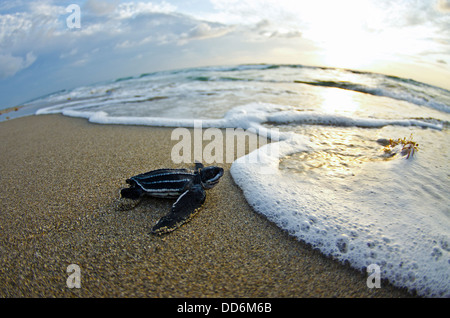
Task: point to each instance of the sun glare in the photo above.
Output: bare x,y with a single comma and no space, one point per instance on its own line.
352,53
345,32
336,100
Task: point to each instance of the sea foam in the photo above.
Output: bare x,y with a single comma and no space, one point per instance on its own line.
375,217
244,117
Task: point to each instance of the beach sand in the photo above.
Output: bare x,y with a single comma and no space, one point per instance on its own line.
60,179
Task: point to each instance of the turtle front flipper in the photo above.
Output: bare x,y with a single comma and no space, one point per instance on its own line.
198,165
182,211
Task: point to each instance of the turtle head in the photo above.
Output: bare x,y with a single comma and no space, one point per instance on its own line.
210,176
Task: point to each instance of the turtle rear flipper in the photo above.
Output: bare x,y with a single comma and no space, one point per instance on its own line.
182,211
132,193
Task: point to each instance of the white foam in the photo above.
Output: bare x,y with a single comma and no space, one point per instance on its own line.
315,118
250,115
380,216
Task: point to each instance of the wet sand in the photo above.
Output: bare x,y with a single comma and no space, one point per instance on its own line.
60,179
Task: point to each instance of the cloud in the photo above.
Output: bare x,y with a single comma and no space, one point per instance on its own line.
112,27
100,7
10,65
72,52
30,28
12,28
46,8
132,9
443,6
40,26
203,31
261,20
110,31
266,29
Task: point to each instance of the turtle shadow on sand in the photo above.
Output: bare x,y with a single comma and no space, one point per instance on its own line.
188,187
146,209
144,204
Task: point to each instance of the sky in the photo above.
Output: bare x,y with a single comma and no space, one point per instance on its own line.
46,45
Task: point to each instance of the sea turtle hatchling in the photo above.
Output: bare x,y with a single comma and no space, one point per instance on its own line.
188,186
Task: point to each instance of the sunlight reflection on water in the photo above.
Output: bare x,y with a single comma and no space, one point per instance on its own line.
340,151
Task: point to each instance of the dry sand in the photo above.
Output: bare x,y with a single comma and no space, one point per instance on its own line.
60,181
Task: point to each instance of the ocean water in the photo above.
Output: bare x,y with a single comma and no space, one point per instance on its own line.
325,177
